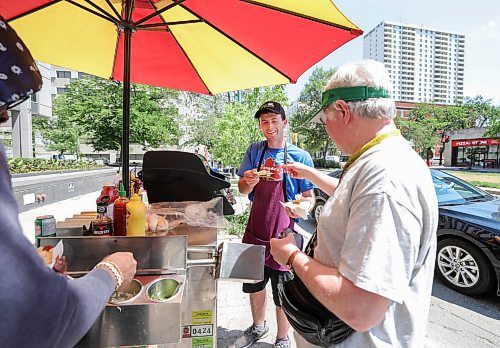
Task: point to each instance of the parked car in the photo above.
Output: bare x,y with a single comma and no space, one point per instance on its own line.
468,249
332,158
322,197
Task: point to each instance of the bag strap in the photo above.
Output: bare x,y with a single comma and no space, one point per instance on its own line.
311,245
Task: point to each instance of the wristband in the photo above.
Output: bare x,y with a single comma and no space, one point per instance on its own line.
114,269
289,263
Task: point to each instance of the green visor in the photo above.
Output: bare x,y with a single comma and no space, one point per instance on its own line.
347,94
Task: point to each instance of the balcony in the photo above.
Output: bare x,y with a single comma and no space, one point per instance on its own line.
440,82
442,39
440,47
408,53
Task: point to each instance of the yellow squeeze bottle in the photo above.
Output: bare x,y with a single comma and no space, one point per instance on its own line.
136,217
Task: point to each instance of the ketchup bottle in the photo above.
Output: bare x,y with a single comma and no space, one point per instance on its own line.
120,213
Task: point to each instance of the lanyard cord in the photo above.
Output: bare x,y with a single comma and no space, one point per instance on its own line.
375,141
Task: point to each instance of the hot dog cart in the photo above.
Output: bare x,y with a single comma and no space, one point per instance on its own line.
172,301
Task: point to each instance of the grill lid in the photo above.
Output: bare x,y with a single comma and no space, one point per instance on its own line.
176,176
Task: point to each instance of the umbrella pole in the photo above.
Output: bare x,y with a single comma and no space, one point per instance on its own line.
126,110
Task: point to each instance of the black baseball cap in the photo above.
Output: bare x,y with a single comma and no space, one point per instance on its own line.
270,107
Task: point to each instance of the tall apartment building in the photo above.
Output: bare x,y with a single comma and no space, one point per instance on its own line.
425,65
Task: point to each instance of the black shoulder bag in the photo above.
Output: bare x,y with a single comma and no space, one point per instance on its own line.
313,321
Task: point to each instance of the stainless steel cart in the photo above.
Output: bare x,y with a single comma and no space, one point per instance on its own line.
180,267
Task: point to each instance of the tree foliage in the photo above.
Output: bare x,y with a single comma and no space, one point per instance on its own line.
60,134
428,122
312,135
92,108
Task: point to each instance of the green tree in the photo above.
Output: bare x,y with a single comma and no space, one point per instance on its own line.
494,129
485,114
421,132
95,105
312,135
427,123
204,111
60,134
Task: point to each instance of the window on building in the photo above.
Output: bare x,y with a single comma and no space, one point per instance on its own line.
61,90
34,97
63,74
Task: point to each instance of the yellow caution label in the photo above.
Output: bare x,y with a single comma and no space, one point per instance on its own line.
202,317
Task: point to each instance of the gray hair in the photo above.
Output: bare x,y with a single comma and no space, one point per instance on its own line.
366,73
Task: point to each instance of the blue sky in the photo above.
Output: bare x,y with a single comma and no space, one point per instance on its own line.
479,20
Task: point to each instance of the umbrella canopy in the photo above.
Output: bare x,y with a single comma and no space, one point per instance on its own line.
194,45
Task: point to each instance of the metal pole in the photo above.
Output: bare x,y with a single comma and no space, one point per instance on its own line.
126,110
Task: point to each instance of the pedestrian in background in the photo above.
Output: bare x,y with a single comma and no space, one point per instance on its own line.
267,216
376,237
40,308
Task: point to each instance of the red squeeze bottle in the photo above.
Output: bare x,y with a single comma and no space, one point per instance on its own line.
120,213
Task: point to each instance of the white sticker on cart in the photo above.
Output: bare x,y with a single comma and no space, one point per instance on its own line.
201,330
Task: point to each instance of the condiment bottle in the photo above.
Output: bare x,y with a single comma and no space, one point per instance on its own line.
102,225
120,213
109,194
136,218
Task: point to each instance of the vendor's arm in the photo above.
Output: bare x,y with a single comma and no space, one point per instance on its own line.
319,179
247,171
334,291
248,181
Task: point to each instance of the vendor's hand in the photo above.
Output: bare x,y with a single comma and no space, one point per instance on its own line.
251,177
126,264
281,249
298,170
291,214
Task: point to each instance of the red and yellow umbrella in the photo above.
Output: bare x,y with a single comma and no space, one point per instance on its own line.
194,45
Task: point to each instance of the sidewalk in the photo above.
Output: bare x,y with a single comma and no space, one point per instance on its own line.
234,315
61,210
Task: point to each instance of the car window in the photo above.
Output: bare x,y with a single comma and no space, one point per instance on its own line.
451,191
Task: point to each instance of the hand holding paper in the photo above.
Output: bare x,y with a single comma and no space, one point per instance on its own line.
299,206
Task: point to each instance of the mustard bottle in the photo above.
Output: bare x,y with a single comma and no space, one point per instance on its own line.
136,217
